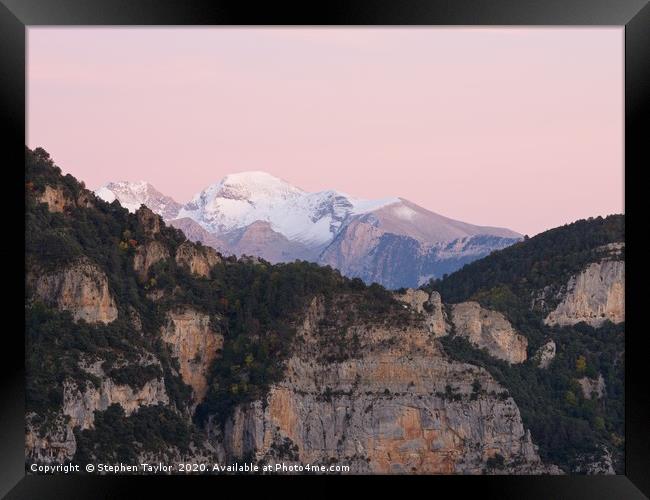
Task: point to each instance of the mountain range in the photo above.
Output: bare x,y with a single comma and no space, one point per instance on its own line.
144,347
391,241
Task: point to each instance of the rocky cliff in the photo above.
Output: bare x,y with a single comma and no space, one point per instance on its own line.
484,328
59,200
430,307
195,346
198,260
56,443
80,403
80,287
594,296
489,330
397,406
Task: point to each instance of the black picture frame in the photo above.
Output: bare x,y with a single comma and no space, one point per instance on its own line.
17,15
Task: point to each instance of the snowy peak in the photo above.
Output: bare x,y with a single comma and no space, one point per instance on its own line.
133,194
241,199
391,241
259,184
250,186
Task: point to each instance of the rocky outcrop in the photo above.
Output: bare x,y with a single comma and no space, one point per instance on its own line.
594,296
57,200
149,221
198,260
81,288
194,344
430,306
399,407
55,442
80,403
545,354
148,254
52,445
592,388
85,200
151,250
489,330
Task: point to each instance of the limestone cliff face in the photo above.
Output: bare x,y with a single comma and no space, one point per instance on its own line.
58,201
149,221
57,443
81,288
490,330
79,403
146,255
400,406
198,260
194,344
430,306
55,198
151,250
595,295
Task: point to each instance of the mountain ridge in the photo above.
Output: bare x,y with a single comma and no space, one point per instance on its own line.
309,225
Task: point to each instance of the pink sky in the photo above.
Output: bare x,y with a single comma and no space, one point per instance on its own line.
513,127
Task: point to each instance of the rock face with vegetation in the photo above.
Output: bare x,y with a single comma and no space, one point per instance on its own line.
490,330
545,354
593,388
393,404
80,401
197,259
216,358
194,345
594,296
483,328
81,288
429,305
57,444
573,275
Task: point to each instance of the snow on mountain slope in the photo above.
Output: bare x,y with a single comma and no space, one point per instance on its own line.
244,198
391,241
133,194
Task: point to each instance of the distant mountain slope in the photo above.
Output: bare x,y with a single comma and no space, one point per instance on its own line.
390,241
133,194
195,232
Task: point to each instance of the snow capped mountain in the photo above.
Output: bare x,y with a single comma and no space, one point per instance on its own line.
242,199
133,194
391,241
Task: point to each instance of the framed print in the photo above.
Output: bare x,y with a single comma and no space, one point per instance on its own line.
369,242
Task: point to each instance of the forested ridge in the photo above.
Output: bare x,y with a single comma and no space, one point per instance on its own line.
564,423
